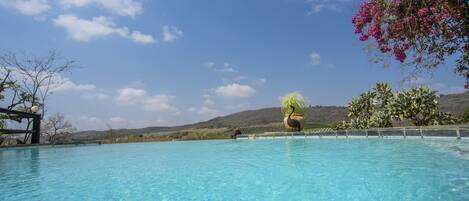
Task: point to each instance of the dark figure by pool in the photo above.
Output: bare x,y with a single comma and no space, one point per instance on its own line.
295,124
236,133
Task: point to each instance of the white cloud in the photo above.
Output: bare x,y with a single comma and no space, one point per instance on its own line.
208,100
318,6
66,85
88,119
133,96
171,33
84,30
203,111
117,120
130,96
94,96
238,107
27,7
59,84
224,68
142,38
158,103
235,90
129,8
441,88
314,58
240,78
261,81
87,122
74,3
209,64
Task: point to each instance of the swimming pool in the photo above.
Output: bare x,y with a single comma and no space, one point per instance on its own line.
278,169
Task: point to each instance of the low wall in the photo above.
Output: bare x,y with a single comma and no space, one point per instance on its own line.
456,132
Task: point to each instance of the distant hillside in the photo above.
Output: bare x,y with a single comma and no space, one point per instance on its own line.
317,114
325,115
454,103
88,135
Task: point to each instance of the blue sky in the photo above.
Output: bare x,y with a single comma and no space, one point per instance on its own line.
156,63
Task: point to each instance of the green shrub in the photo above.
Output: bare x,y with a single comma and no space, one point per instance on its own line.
380,106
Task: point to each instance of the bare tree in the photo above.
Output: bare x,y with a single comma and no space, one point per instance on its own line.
57,129
34,79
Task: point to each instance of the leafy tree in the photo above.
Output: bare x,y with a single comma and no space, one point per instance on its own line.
445,118
382,119
363,106
383,94
57,129
361,123
429,31
379,107
420,106
371,109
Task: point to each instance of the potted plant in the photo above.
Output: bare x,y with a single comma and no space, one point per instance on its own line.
293,109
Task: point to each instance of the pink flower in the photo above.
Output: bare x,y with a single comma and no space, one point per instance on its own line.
399,54
422,12
385,49
357,30
405,46
398,25
364,37
375,30
444,16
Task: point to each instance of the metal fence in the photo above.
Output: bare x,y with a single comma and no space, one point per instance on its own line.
453,131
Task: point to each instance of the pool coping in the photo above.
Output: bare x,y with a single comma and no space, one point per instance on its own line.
30,146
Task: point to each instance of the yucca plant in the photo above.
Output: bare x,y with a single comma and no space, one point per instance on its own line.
294,110
296,100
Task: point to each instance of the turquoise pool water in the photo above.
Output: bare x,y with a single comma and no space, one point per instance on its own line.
283,169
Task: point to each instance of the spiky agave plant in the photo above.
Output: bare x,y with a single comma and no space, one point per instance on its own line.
296,100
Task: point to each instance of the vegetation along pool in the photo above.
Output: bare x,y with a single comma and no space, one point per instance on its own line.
275,169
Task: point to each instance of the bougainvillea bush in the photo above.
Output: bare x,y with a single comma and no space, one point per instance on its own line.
422,33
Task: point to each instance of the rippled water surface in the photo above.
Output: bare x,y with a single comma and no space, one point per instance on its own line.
283,169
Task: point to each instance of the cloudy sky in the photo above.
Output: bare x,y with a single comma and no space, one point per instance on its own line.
156,63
